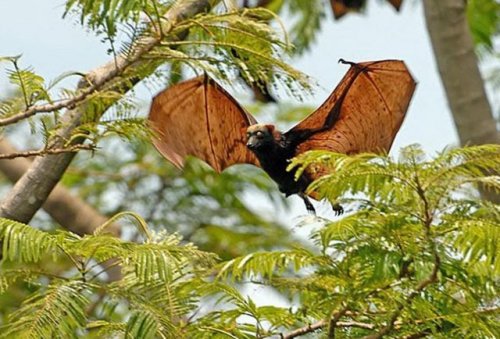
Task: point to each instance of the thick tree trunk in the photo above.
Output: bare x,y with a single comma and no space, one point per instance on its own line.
32,190
458,66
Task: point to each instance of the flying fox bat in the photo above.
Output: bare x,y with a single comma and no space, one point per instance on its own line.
363,114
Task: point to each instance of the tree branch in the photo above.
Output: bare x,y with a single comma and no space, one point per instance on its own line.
457,63
306,329
367,326
320,324
45,151
357,324
32,190
47,108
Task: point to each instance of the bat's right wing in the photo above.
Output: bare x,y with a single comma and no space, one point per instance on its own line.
363,113
199,118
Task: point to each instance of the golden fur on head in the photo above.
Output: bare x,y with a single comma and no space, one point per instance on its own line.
260,128
266,129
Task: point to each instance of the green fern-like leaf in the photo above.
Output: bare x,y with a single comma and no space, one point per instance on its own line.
141,325
30,85
59,311
23,243
268,263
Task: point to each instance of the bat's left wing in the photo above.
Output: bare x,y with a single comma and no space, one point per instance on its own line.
364,112
199,118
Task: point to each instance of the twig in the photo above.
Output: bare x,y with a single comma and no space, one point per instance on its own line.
21,82
306,329
45,151
320,324
86,88
115,263
367,326
70,211
69,103
357,324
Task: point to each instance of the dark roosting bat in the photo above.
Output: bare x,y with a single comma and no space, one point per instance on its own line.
342,7
363,114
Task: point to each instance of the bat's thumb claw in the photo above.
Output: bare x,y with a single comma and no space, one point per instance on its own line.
345,62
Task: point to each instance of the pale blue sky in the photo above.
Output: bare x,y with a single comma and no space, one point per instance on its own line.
53,46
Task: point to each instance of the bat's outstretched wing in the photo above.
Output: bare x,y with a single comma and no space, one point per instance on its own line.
199,118
364,112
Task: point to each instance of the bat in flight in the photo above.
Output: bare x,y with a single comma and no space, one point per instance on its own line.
198,117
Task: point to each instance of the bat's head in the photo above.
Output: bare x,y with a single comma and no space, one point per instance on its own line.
260,137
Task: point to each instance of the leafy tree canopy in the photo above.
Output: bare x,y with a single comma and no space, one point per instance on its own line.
418,254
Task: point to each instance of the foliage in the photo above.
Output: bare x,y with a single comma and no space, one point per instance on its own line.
484,22
228,42
307,16
155,273
418,255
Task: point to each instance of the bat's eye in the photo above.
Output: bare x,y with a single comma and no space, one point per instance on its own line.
248,135
260,134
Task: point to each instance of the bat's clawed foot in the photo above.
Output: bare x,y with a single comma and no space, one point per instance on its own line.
337,209
309,206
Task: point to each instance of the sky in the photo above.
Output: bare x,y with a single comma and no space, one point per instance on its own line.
53,45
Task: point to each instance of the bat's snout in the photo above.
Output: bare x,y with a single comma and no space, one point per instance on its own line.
251,145
252,142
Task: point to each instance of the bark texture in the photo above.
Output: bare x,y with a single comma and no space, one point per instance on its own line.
32,190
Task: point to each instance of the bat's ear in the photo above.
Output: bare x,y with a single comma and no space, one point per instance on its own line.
276,134
270,128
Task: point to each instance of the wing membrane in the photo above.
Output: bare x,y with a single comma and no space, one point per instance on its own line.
368,107
199,118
